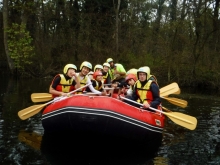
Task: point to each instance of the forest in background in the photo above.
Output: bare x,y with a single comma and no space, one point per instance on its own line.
177,39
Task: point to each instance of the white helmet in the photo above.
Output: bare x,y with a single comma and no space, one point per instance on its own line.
86,64
132,71
144,69
109,60
106,64
98,66
69,66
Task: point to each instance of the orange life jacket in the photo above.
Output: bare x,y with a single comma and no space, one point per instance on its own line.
64,85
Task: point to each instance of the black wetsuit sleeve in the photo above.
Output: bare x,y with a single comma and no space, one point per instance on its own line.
108,80
101,89
156,97
93,84
123,84
134,94
74,83
56,82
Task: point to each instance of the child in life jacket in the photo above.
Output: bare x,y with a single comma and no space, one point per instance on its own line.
97,81
85,68
130,80
106,76
124,86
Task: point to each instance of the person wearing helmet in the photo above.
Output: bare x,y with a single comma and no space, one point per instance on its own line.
132,71
96,82
130,80
124,83
146,90
84,79
66,82
106,76
98,67
116,71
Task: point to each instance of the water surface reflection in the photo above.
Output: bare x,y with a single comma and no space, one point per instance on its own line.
200,146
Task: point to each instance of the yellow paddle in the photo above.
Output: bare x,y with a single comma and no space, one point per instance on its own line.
181,119
178,92
169,89
41,97
32,139
176,101
166,109
172,89
34,109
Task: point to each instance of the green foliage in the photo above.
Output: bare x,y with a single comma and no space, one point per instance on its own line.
176,42
20,46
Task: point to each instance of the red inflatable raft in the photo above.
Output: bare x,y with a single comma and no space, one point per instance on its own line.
101,115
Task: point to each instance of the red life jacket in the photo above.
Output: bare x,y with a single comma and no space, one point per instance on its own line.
64,85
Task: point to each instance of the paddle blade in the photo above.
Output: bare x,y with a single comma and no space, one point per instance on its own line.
178,118
30,111
178,92
176,101
169,89
184,120
32,139
41,97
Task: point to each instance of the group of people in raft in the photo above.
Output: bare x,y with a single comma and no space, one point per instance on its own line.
143,86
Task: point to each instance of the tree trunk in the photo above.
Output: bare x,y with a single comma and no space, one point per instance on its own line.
216,24
116,27
5,27
173,10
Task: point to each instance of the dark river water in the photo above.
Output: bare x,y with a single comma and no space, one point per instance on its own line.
21,141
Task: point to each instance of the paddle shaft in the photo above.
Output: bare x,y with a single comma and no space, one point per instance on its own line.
178,102
42,97
164,91
170,114
60,98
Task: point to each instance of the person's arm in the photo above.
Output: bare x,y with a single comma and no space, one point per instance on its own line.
93,84
92,88
108,80
134,94
120,70
156,97
77,81
132,97
53,86
121,73
129,92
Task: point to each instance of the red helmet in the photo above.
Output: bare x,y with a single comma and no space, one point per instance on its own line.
98,73
130,76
